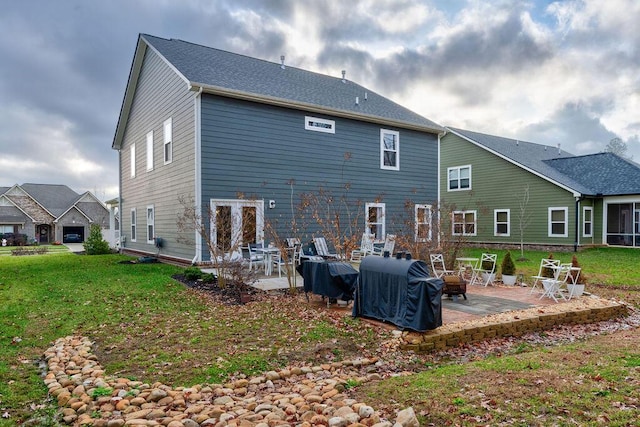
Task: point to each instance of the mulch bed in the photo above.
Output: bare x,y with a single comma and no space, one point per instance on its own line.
229,295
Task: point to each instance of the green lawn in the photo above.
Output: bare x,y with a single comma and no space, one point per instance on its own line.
148,326
51,249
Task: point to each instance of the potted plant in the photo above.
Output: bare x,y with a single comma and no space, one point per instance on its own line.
508,270
575,284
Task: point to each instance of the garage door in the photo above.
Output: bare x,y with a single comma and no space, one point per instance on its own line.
72,234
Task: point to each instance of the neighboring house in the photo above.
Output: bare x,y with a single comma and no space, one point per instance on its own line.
239,134
573,201
48,213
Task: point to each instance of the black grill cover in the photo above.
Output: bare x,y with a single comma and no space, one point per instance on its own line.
399,291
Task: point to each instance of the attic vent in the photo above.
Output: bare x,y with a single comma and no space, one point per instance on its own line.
559,151
365,96
344,72
357,100
517,143
282,61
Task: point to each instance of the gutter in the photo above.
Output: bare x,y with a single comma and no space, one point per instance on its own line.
576,242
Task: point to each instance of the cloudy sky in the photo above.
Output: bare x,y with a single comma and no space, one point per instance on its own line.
552,72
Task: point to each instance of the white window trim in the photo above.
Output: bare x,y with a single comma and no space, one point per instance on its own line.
150,151
134,225
381,219
586,209
429,213
383,132
495,222
458,168
566,221
319,125
150,239
464,228
167,128
132,153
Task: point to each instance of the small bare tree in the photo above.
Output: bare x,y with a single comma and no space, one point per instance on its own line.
432,234
216,231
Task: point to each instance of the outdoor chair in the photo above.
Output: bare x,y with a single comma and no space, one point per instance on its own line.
553,287
438,269
322,249
545,264
279,262
255,258
485,272
366,247
389,245
294,246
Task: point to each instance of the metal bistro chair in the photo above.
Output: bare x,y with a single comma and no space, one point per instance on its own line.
553,286
487,267
255,258
437,266
545,263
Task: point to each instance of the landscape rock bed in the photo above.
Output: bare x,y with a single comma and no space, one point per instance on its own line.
302,396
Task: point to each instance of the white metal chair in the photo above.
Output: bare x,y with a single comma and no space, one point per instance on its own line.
366,247
552,287
545,263
571,281
485,272
437,266
294,245
389,245
255,258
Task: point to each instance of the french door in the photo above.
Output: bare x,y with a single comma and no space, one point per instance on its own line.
236,223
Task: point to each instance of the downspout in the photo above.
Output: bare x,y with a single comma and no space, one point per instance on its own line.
198,174
440,135
577,225
122,240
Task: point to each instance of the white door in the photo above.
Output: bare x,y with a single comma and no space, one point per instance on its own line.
236,223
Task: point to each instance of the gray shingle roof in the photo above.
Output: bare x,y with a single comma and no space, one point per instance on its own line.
214,68
54,198
3,190
602,173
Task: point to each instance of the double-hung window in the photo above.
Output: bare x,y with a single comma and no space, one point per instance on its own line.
502,222
168,141
133,225
459,178
558,222
374,217
150,151
389,149
463,223
422,223
151,222
587,221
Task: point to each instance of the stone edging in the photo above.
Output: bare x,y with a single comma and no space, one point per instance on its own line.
519,323
303,396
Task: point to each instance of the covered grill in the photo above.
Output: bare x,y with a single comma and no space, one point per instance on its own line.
398,291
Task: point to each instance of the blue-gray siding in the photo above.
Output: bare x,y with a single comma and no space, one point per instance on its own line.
258,151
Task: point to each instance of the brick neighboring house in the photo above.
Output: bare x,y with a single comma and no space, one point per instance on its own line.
48,213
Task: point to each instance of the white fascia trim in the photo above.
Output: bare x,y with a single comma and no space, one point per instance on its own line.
77,209
573,192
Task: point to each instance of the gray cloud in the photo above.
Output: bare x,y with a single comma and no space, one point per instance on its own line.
575,125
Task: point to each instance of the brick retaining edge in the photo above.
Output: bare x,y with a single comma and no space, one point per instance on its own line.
455,335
